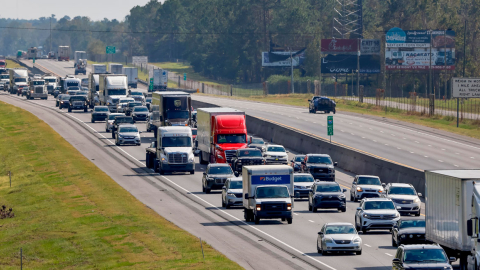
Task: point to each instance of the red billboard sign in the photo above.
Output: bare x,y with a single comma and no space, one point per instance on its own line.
339,46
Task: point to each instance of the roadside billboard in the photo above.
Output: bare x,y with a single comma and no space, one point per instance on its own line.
140,60
347,63
297,60
339,46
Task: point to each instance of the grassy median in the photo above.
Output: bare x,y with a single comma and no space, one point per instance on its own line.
12,64
71,215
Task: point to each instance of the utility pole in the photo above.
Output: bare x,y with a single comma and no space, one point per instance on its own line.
358,67
50,33
464,64
445,60
430,69
291,65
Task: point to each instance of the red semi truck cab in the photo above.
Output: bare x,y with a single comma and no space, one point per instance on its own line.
220,132
3,64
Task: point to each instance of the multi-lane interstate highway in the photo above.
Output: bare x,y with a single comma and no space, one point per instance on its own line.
271,244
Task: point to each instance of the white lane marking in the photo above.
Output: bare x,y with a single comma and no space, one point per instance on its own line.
363,137
352,133
426,156
399,148
412,152
429,145
367,245
455,165
404,138
370,128
457,153
295,214
440,160
472,157
416,142
381,131
386,144
374,140
393,135
342,130
311,221
389,254
443,149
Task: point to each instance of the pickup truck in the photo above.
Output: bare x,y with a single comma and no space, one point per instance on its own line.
119,120
247,156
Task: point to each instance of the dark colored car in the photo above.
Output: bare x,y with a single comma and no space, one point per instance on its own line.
296,162
100,113
194,118
320,166
421,257
119,120
148,102
130,106
63,101
327,195
215,176
247,156
78,103
409,231
140,113
321,104
258,143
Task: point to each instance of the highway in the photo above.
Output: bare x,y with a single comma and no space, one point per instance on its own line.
179,197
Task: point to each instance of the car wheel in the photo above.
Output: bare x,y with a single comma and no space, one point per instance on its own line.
223,203
364,231
283,219
394,243
319,250
113,135
69,109
417,214
208,190
309,206
117,144
203,188
314,209
93,121
358,252
192,172
351,197
289,220
256,219
343,209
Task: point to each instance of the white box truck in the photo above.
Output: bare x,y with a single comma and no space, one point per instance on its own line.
18,80
93,82
268,192
63,53
160,79
111,88
448,207
473,225
132,76
115,68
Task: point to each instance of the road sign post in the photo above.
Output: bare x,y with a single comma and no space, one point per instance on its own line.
330,127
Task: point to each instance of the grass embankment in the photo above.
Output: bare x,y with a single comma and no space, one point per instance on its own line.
467,127
12,64
71,215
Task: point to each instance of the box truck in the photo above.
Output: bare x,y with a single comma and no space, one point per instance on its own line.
268,192
132,76
93,82
115,68
160,79
63,53
18,80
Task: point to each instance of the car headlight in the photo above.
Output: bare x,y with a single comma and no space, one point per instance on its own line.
403,236
289,206
417,200
219,157
366,215
357,240
359,189
231,194
164,160
259,207
191,158
397,214
341,196
329,240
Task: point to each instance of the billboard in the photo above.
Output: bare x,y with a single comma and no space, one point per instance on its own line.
339,46
297,60
347,63
398,38
139,60
370,46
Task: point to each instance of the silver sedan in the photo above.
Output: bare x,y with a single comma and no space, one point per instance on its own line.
339,237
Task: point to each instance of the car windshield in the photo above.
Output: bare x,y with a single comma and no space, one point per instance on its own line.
38,82
275,149
424,255
128,129
65,97
249,153
303,178
136,94
112,116
76,98
177,115
401,191
140,109
272,192
51,80
133,104
82,93
328,188
20,80
317,159
101,109
236,185
194,132
73,88
369,181
257,141
220,170
377,205
299,158
231,138
412,224
176,142
340,229
124,119
148,100
117,92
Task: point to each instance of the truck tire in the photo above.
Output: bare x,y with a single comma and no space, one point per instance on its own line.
289,220
155,133
69,109
256,219
314,209
147,161
208,190
93,121
113,134
192,172
155,166
85,109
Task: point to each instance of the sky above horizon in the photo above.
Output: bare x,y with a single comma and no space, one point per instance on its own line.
95,9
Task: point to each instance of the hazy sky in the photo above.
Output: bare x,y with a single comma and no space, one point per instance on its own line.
95,9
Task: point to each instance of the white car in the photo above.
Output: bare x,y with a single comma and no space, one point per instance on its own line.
405,198
366,186
376,214
275,154
232,192
339,237
109,122
128,134
122,103
302,185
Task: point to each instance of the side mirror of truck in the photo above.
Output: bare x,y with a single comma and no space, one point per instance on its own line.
204,173
344,190
396,260
320,233
419,194
384,185
359,208
224,188
335,164
470,227
452,259
236,174
246,196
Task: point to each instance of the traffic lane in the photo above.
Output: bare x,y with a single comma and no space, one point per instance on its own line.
61,68
233,241
357,125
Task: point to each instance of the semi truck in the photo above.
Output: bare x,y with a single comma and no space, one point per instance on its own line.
132,76
63,53
170,109
160,79
115,68
80,62
220,133
449,196
172,151
18,80
268,192
69,81
37,89
51,82
111,88
3,64
32,53
94,81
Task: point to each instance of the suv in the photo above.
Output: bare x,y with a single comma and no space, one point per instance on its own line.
247,156
376,214
78,103
409,231
258,143
327,195
100,113
120,120
127,134
232,192
140,113
110,119
130,106
366,186
421,257
404,197
302,184
215,176
276,154
296,162
321,104
320,166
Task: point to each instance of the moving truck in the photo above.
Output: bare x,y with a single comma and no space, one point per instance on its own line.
132,76
268,192
3,64
18,80
93,82
51,82
69,81
37,89
160,79
170,109
172,151
449,196
32,53
115,68
63,53
220,133
111,88
80,62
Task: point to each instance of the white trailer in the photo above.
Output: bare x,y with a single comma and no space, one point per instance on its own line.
99,69
160,79
132,76
111,88
448,207
115,68
63,53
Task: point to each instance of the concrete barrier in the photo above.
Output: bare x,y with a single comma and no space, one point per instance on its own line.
348,158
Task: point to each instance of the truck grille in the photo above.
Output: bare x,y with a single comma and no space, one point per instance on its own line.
50,87
229,154
384,217
402,201
320,170
177,158
38,90
78,103
273,206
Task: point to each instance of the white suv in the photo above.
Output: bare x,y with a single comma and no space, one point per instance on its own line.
405,198
366,186
376,214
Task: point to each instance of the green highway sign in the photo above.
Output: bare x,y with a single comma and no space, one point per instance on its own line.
184,76
151,84
330,125
110,49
